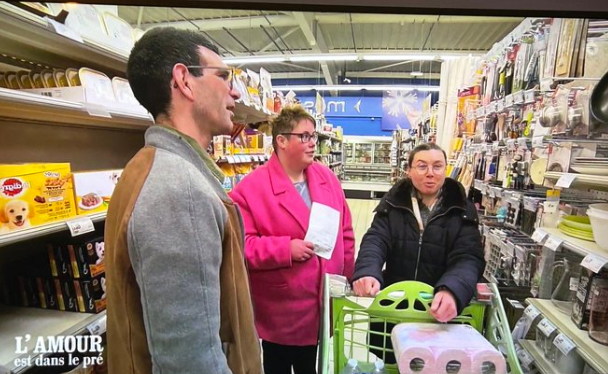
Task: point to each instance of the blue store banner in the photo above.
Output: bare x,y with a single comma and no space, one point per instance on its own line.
345,106
401,109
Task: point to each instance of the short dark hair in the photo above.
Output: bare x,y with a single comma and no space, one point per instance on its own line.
425,147
151,62
287,119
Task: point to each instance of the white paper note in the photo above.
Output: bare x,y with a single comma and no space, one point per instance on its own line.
323,229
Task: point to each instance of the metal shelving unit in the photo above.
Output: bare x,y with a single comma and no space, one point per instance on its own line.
43,230
17,321
593,353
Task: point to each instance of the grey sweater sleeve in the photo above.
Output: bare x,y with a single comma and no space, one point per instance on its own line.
175,245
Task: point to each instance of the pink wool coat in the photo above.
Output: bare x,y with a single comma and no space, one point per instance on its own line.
287,295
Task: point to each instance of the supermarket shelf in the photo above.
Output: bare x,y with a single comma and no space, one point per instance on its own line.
366,171
241,159
250,114
582,247
19,105
324,135
366,186
17,321
593,353
334,164
540,361
27,36
336,152
38,231
582,179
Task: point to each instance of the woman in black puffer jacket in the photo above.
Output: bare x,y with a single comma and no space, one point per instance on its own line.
426,230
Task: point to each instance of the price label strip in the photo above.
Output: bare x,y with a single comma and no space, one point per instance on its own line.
80,226
564,344
594,262
539,235
98,327
553,243
565,181
230,159
546,327
537,141
525,358
531,312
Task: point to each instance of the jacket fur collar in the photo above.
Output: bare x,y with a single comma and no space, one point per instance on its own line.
399,196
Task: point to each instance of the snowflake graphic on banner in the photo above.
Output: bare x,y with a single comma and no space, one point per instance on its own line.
400,108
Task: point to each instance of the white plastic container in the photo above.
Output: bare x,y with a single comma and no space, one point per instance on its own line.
599,222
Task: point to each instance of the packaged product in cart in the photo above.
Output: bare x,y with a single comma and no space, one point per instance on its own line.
34,194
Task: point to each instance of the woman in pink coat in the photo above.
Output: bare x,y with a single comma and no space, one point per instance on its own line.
285,273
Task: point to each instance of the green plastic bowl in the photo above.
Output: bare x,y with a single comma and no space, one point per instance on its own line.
577,222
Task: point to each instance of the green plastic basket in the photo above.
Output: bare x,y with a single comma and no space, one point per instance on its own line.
400,302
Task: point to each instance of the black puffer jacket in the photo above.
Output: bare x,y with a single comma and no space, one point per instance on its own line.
447,254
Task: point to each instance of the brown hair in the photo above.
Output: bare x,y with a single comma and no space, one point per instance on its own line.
287,119
425,147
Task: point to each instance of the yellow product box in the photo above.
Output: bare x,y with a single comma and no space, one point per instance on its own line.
221,146
35,194
93,190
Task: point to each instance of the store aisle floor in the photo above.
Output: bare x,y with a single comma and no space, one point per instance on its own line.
362,212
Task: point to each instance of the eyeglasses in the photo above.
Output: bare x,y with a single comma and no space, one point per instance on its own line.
227,74
305,137
424,168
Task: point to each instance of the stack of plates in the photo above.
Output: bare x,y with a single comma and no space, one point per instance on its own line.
577,227
590,165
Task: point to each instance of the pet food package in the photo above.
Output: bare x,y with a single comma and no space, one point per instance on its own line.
93,190
34,194
91,294
87,259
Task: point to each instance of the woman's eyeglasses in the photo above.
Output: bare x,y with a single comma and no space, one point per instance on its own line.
424,168
305,137
227,74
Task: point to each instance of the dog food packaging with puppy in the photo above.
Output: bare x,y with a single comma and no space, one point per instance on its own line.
94,189
87,259
35,194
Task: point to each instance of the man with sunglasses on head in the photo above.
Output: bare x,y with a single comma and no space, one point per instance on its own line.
424,230
286,274
178,294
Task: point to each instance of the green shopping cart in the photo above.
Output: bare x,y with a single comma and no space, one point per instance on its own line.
346,322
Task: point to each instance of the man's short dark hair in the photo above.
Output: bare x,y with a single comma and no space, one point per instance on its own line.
425,147
151,62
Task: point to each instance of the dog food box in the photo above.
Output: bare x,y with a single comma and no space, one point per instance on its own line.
59,261
93,190
34,194
87,259
91,294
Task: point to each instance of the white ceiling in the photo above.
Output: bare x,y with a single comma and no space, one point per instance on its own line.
257,33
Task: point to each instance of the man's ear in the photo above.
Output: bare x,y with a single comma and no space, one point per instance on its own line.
182,81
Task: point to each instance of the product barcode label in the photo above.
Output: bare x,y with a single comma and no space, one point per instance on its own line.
546,327
565,181
553,243
531,312
539,235
564,344
537,141
80,226
573,283
525,358
98,327
594,262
